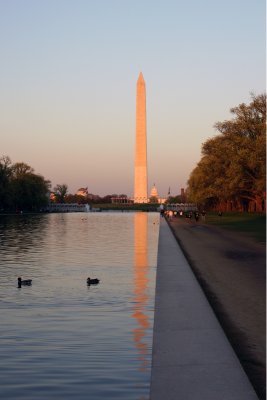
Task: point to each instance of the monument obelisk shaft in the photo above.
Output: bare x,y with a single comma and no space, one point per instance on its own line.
140,178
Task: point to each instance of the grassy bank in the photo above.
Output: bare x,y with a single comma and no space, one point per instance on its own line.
253,224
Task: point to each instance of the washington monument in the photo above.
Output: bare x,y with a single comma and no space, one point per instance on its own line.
140,177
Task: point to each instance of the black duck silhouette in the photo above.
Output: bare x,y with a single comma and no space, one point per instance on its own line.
91,281
24,282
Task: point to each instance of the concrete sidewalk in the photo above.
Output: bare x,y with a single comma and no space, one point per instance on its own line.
192,358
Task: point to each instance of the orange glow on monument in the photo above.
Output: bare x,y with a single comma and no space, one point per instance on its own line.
140,178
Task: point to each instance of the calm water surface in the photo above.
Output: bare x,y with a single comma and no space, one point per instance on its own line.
61,339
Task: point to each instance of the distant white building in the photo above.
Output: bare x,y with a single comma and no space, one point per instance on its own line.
154,194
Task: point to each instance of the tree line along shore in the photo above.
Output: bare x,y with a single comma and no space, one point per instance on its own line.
230,175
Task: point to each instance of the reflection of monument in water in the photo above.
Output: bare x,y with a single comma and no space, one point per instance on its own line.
141,286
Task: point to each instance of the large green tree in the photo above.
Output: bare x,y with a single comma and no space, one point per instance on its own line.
232,166
20,188
5,174
29,191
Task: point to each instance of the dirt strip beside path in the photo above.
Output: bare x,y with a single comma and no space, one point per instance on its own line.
231,270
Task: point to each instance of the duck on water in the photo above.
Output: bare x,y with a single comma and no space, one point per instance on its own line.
91,281
24,282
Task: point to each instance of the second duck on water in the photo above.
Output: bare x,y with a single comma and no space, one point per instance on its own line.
91,281
25,282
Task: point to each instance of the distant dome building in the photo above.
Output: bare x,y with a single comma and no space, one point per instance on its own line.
154,192
154,196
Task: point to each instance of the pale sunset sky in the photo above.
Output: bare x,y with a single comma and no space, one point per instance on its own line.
68,75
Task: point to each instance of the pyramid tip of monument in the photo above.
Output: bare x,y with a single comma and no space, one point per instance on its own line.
140,77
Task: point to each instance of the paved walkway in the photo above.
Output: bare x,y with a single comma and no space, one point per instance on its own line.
235,286
192,358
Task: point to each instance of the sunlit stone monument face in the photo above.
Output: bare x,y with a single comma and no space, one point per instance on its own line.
140,179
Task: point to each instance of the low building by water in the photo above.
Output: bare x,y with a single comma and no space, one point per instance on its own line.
65,207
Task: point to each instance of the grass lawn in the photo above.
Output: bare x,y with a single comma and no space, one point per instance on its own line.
254,224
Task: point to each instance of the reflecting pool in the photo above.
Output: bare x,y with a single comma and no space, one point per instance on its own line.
60,338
